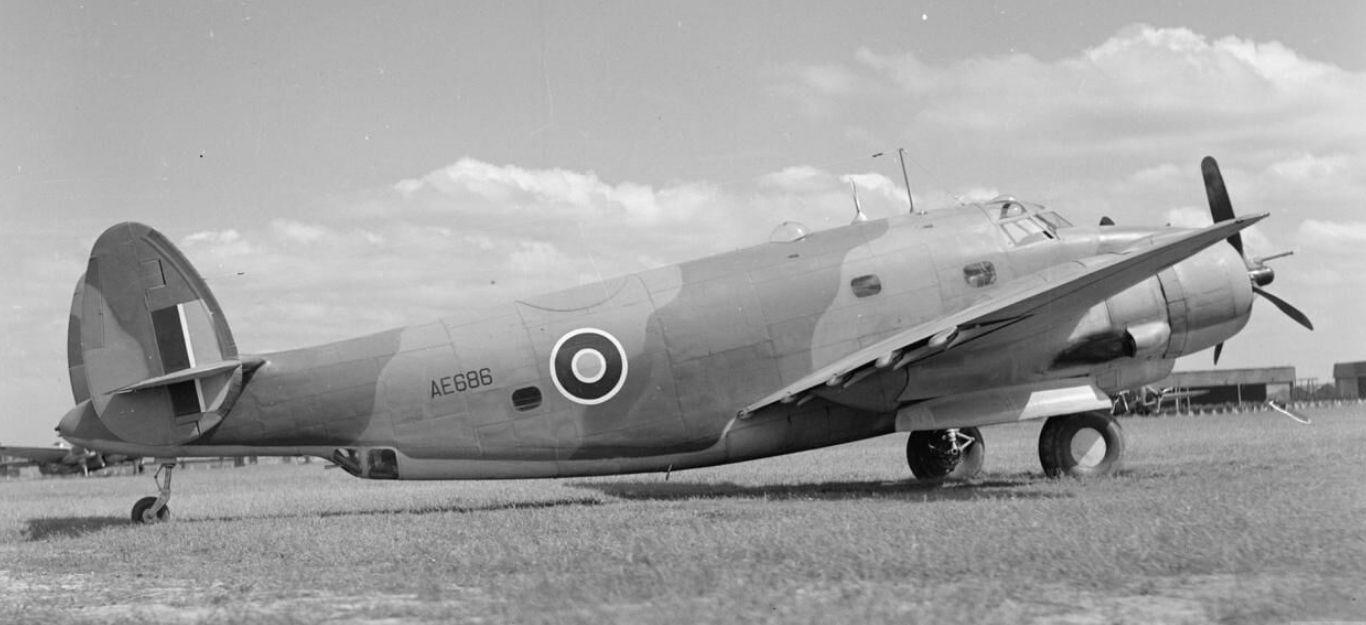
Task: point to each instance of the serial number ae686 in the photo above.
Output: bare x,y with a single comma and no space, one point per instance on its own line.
461,382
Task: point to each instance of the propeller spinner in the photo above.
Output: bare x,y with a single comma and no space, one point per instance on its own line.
1221,209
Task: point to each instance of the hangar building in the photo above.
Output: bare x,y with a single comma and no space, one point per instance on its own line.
1233,386
1350,379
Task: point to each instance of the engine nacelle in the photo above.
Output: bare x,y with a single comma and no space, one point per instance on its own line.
1131,324
1193,305
1209,299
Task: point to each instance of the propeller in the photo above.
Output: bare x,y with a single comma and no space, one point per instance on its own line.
1290,311
1221,209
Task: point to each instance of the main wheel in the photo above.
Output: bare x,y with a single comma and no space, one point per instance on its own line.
1081,445
953,454
143,506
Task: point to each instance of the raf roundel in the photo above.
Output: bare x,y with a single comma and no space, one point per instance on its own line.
588,366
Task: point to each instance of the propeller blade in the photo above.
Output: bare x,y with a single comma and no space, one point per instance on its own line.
1289,310
1218,349
1220,208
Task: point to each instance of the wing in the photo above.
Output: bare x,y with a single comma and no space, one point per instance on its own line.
1089,279
35,454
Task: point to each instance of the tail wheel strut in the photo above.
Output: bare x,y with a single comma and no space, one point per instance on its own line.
154,509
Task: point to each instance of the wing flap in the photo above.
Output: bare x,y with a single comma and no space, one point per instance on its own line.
1089,279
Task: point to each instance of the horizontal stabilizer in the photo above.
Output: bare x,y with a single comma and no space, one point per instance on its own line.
184,375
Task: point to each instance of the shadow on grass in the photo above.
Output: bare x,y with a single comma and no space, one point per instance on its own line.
457,509
73,527
69,527
907,490
495,507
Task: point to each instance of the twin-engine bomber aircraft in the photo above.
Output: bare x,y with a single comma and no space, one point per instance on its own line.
933,324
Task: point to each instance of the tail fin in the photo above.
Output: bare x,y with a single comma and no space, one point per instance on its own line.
147,343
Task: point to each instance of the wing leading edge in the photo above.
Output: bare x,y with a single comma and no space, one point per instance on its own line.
1089,279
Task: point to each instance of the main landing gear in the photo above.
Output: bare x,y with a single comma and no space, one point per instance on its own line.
154,509
952,454
1087,444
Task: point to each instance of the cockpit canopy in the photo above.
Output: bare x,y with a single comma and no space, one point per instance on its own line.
1022,222
788,232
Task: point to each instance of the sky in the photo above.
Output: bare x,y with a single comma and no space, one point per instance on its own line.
339,168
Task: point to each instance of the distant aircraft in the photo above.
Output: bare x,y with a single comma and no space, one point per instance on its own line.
58,460
1148,400
934,324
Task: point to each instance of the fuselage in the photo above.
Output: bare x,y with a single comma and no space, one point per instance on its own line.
646,372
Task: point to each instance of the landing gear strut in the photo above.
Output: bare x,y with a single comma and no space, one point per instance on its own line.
955,453
154,509
1086,444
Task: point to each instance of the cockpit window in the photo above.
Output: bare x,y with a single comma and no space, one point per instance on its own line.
1055,221
1025,231
1024,223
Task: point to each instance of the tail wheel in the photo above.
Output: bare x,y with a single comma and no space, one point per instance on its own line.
1081,445
952,454
141,512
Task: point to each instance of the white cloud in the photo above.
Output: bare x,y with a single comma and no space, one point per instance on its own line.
1163,175
829,79
298,232
1144,95
1335,237
797,179
1189,217
510,185
536,257
219,245
1310,169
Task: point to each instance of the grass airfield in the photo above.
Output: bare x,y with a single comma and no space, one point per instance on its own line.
1217,519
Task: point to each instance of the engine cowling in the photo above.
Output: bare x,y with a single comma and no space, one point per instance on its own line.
1209,299
1193,305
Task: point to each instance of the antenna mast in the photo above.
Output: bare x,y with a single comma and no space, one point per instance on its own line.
901,154
859,217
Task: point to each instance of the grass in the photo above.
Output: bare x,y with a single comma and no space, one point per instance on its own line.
1226,518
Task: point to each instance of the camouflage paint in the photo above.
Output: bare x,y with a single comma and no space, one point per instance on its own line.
700,339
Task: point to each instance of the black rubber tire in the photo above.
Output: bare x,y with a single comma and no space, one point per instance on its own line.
927,463
143,505
1055,445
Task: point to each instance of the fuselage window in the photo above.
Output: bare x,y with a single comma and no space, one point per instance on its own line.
526,398
980,274
865,286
